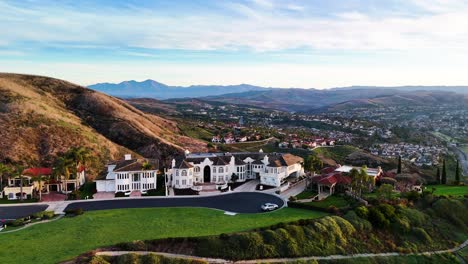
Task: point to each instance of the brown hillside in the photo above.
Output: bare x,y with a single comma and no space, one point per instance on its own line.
42,116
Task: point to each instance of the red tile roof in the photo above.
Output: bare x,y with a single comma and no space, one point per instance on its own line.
37,171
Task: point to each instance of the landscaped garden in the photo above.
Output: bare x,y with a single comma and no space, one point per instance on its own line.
70,236
335,200
440,189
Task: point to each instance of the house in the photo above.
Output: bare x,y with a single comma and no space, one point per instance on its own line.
198,169
216,139
128,175
50,183
337,179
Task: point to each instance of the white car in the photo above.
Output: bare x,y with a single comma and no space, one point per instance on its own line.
269,207
127,193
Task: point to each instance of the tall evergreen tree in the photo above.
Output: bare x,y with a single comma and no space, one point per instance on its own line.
438,178
399,165
444,173
457,174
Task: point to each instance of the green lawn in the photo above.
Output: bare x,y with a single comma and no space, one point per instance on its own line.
68,237
449,190
306,195
6,201
337,201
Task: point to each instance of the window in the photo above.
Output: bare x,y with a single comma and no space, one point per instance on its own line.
177,173
184,182
184,173
196,169
136,177
177,182
221,170
214,169
190,172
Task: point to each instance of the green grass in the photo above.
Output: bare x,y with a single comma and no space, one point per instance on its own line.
375,195
306,195
68,237
337,153
449,189
194,131
337,201
6,201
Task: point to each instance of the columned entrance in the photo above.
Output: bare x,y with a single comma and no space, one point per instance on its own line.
207,174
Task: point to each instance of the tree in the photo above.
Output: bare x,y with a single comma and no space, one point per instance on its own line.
313,163
3,171
360,180
399,165
80,156
234,177
18,172
40,179
63,167
438,176
146,166
457,173
385,191
444,173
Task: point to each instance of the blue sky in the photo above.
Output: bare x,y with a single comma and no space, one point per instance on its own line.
284,43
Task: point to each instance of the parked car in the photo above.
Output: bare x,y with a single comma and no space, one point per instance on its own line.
269,207
127,193
144,192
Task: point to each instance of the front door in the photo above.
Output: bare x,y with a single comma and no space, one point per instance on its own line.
207,174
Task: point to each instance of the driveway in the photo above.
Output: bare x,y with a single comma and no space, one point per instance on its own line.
14,212
238,202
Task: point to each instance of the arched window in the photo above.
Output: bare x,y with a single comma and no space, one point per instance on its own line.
177,173
221,170
184,173
214,169
196,169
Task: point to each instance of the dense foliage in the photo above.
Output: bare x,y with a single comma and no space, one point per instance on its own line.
143,259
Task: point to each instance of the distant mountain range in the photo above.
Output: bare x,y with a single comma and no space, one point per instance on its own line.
287,99
154,89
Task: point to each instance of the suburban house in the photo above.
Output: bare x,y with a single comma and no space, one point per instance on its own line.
128,175
195,170
337,179
50,183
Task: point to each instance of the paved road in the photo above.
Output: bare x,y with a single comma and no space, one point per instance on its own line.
13,212
238,202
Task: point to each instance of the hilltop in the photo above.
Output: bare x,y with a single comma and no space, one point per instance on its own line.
41,117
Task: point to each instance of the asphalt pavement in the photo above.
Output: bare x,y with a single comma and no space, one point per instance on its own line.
238,202
14,212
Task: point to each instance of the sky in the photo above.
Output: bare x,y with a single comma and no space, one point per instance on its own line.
284,43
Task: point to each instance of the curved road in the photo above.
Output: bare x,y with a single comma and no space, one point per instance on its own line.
238,202
248,202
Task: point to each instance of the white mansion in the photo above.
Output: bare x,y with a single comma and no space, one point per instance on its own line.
128,175
219,168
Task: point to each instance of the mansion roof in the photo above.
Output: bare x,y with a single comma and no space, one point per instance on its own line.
223,159
135,165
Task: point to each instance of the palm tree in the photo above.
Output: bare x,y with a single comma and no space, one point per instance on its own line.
80,156
146,166
18,172
62,167
40,178
3,170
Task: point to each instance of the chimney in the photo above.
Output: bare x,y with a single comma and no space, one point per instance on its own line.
128,156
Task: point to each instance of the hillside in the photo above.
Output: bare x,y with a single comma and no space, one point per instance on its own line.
41,117
416,98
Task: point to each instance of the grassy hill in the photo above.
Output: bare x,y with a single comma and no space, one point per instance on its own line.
41,117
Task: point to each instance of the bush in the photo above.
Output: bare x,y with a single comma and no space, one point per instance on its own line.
98,260
377,218
362,212
74,212
44,215
358,222
387,210
18,222
422,235
120,194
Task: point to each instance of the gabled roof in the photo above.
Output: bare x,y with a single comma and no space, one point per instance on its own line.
135,165
35,172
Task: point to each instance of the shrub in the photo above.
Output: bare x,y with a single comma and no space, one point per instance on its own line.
377,218
18,222
422,235
98,260
412,196
74,212
358,222
44,215
362,212
128,259
387,210
120,194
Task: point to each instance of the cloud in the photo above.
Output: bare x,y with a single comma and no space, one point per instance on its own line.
260,26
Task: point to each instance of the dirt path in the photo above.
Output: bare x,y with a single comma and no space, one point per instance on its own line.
281,260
